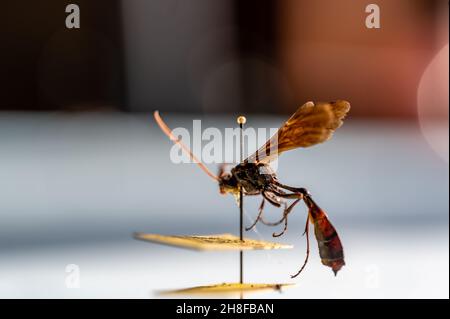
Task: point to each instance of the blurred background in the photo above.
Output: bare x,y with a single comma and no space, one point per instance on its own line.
83,165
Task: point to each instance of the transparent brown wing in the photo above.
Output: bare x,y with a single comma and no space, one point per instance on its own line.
309,125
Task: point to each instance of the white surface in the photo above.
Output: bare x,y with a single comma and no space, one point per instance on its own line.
75,187
378,266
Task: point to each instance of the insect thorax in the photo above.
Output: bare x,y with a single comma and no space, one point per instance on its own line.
253,177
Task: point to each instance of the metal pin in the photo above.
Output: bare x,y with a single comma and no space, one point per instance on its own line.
241,121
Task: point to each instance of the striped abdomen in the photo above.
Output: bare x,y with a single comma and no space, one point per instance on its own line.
330,247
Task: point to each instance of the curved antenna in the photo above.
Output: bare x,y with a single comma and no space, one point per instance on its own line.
166,130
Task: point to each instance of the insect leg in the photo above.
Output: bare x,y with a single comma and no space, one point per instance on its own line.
280,193
300,190
273,223
270,199
307,248
285,217
330,247
261,207
296,195
269,194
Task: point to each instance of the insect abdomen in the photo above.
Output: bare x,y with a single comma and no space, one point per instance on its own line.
330,246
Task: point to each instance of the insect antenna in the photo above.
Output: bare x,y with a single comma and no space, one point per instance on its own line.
166,130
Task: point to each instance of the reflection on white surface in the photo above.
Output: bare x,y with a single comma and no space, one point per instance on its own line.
75,187
379,265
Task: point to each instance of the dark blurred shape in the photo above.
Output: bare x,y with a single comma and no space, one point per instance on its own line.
256,37
208,56
181,55
202,56
46,66
328,53
272,56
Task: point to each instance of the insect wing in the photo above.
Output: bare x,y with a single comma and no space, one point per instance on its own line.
309,125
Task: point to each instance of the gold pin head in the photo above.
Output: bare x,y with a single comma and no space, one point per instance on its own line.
241,120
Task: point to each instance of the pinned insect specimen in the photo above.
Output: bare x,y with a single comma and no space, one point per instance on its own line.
311,124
